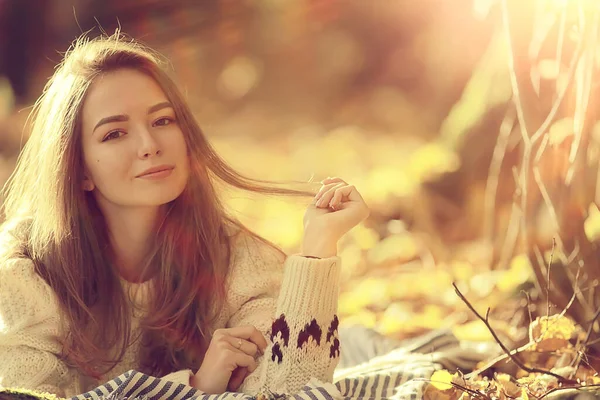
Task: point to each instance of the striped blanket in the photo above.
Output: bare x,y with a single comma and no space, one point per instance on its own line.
371,367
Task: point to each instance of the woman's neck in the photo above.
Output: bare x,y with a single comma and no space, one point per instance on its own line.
131,233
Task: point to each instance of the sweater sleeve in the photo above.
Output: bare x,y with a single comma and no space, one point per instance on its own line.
29,334
293,301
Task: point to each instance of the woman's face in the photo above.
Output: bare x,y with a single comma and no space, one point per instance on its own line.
134,151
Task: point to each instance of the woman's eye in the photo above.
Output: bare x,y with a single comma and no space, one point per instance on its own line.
163,121
112,135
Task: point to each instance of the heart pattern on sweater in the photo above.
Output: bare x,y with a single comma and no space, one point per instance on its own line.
280,336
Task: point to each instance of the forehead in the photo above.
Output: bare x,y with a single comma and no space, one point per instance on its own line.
124,91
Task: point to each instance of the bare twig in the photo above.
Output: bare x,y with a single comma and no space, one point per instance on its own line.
528,306
527,145
513,357
561,95
491,186
548,282
538,179
560,42
513,75
577,387
475,393
576,291
585,343
583,93
496,360
529,141
512,235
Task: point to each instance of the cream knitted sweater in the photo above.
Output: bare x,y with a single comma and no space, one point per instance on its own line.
292,300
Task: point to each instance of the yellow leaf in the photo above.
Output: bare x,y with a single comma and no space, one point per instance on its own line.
510,388
395,318
431,393
363,317
476,331
432,160
519,272
442,379
551,333
364,237
388,180
370,291
591,226
461,270
394,248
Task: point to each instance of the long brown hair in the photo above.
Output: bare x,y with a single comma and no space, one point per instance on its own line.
60,228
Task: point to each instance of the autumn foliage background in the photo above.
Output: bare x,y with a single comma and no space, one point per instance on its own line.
469,126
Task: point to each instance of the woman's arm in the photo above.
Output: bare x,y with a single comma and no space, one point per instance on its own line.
29,334
293,302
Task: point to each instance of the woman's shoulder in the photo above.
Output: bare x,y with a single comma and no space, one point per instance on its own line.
249,247
24,296
13,238
22,289
18,271
256,267
253,260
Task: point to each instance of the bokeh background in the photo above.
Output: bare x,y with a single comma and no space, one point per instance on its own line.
411,101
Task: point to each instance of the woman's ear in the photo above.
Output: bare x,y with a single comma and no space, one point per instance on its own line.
88,185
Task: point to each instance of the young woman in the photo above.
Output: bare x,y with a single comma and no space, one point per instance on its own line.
117,253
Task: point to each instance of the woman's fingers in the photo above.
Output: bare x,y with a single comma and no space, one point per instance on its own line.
243,345
331,179
324,189
244,332
349,192
327,196
246,361
230,357
237,378
327,184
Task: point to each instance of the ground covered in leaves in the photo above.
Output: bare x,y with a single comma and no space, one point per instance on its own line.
479,162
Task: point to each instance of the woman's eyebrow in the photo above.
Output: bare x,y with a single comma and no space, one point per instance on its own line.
159,106
122,117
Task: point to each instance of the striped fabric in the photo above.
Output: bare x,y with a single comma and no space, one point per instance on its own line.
371,367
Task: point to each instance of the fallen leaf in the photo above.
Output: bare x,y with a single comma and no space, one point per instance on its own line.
442,379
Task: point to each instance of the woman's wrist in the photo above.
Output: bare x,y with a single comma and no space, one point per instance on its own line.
315,248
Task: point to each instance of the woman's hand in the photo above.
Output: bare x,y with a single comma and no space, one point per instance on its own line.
337,208
230,357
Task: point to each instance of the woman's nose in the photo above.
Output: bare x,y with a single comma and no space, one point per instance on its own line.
149,146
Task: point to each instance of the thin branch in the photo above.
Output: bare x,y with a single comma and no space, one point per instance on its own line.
475,393
514,358
560,41
512,234
491,187
544,192
513,74
561,95
576,291
578,387
528,306
502,357
583,95
548,283
585,343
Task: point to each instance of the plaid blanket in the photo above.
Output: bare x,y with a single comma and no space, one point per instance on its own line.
371,367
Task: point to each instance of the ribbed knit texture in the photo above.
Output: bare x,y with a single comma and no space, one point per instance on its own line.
292,300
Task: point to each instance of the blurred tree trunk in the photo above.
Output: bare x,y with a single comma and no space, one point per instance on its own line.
540,167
